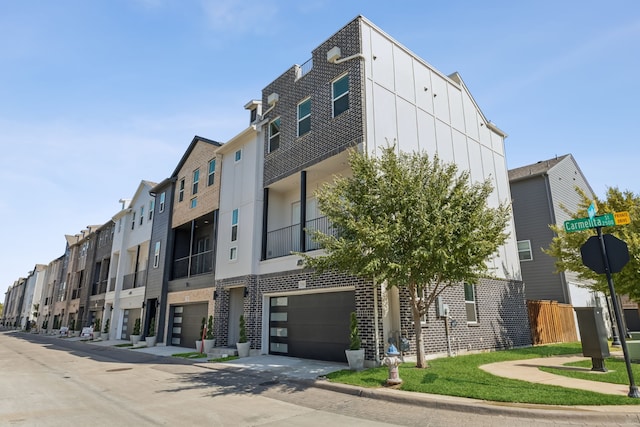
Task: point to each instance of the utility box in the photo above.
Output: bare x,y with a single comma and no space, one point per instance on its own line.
593,336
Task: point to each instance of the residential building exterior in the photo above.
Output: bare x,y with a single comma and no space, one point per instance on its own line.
239,242
13,302
190,262
52,277
99,279
160,249
32,294
219,236
362,89
542,194
124,301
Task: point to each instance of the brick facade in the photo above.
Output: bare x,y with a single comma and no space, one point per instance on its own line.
328,135
208,196
502,319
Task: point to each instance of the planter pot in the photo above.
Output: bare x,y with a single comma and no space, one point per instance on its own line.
96,335
151,341
208,345
135,339
355,358
243,348
198,345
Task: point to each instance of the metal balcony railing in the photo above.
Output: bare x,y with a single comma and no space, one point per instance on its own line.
285,240
134,280
303,69
201,263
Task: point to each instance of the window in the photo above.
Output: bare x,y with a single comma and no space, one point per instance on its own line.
470,302
524,250
254,115
196,179
212,172
141,214
304,117
156,255
181,191
234,225
274,135
162,197
119,225
238,155
340,95
233,254
133,220
152,206
194,202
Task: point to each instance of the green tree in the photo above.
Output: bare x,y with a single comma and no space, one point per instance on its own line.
565,247
410,222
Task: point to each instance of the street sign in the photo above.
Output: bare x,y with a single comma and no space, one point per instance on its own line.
581,224
617,254
622,218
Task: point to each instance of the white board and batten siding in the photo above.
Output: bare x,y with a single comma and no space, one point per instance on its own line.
420,109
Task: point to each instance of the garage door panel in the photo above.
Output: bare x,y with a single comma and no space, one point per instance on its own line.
187,320
317,325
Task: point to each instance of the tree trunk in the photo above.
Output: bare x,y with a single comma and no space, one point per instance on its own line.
415,311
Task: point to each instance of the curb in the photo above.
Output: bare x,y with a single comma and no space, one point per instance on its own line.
605,415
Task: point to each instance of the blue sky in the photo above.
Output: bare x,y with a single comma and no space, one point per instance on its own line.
98,95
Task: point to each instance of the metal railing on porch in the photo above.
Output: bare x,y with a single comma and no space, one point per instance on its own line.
283,241
200,263
134,280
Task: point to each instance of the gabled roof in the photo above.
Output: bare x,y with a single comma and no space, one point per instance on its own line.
540,168
187,153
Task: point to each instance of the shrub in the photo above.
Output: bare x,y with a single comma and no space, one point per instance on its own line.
210,328
354,337
152,327
243,330
136,327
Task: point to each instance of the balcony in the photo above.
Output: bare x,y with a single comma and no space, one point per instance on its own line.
201,263
134,280
285,240
99,287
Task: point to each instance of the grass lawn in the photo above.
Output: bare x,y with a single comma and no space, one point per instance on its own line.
461,376
617,371
124,345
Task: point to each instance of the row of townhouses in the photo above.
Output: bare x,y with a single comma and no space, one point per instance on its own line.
216,236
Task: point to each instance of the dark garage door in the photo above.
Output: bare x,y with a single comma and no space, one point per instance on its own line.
187,320
311,326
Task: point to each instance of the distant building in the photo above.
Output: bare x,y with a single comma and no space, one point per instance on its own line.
538,192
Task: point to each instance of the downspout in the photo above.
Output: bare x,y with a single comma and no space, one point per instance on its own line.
135,271
265,215
193,227
303,210
376,331
215,239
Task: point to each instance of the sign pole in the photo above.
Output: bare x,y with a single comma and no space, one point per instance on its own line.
633,390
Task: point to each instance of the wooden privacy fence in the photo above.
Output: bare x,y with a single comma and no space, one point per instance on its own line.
551,322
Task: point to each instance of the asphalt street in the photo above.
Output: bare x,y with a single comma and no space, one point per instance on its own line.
49,381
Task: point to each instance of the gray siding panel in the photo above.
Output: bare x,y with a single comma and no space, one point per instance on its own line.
532,215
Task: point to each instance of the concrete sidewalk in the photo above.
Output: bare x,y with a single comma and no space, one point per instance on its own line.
528,370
